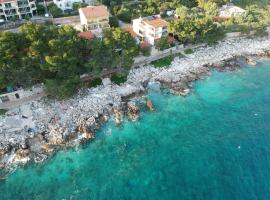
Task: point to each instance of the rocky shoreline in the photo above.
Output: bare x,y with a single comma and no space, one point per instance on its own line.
34,131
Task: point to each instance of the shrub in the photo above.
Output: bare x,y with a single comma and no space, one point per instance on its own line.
54,10
2,111
163,62
114,22
119,78
163,44
95,82
188,51
146,51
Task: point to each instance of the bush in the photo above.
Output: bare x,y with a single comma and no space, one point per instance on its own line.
163,62
77,5
188,51
119,78
261,31
95,82
163,44
146,51
114,22
40,9
54,10
2,111
61,89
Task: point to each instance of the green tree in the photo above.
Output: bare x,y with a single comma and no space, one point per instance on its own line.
163,44
114,22
54,10
182,12
116,50
77,5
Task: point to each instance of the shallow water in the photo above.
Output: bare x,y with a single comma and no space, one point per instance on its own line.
213,144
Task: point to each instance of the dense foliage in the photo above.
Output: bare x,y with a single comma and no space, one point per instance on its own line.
195,26
255,18
56,56
115,51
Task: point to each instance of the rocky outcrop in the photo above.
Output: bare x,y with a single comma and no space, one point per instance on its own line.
132,111
22,155
263,54
118,116
227,65
86,133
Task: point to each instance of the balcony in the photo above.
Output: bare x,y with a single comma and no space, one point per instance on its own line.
23,5
25,11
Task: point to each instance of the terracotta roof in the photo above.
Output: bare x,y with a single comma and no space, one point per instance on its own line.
145,44
95,11
130,30
6,1
88,35
158,22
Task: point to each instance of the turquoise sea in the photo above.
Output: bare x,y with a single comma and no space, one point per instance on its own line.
213,144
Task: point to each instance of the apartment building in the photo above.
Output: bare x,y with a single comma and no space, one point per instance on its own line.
94,18
17,9
150,29
66,4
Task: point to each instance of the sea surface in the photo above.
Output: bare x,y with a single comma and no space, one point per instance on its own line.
213,144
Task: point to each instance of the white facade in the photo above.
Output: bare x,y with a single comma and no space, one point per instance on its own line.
17,9
230,10
68,4
150,29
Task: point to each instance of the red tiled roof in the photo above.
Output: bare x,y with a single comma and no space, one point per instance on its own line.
6,1
130,30
95,11
145,44
88,35
158,22
219,18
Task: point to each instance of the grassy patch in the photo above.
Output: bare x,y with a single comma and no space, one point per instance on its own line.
2,111
163,62
95,82
180,55
119,78
188,51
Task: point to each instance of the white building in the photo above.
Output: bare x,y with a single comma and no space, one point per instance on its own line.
17,9
230,10
150,29
68,4
94,18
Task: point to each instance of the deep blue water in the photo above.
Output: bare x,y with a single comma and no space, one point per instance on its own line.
213,144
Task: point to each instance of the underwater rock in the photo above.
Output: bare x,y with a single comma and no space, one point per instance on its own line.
149,104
